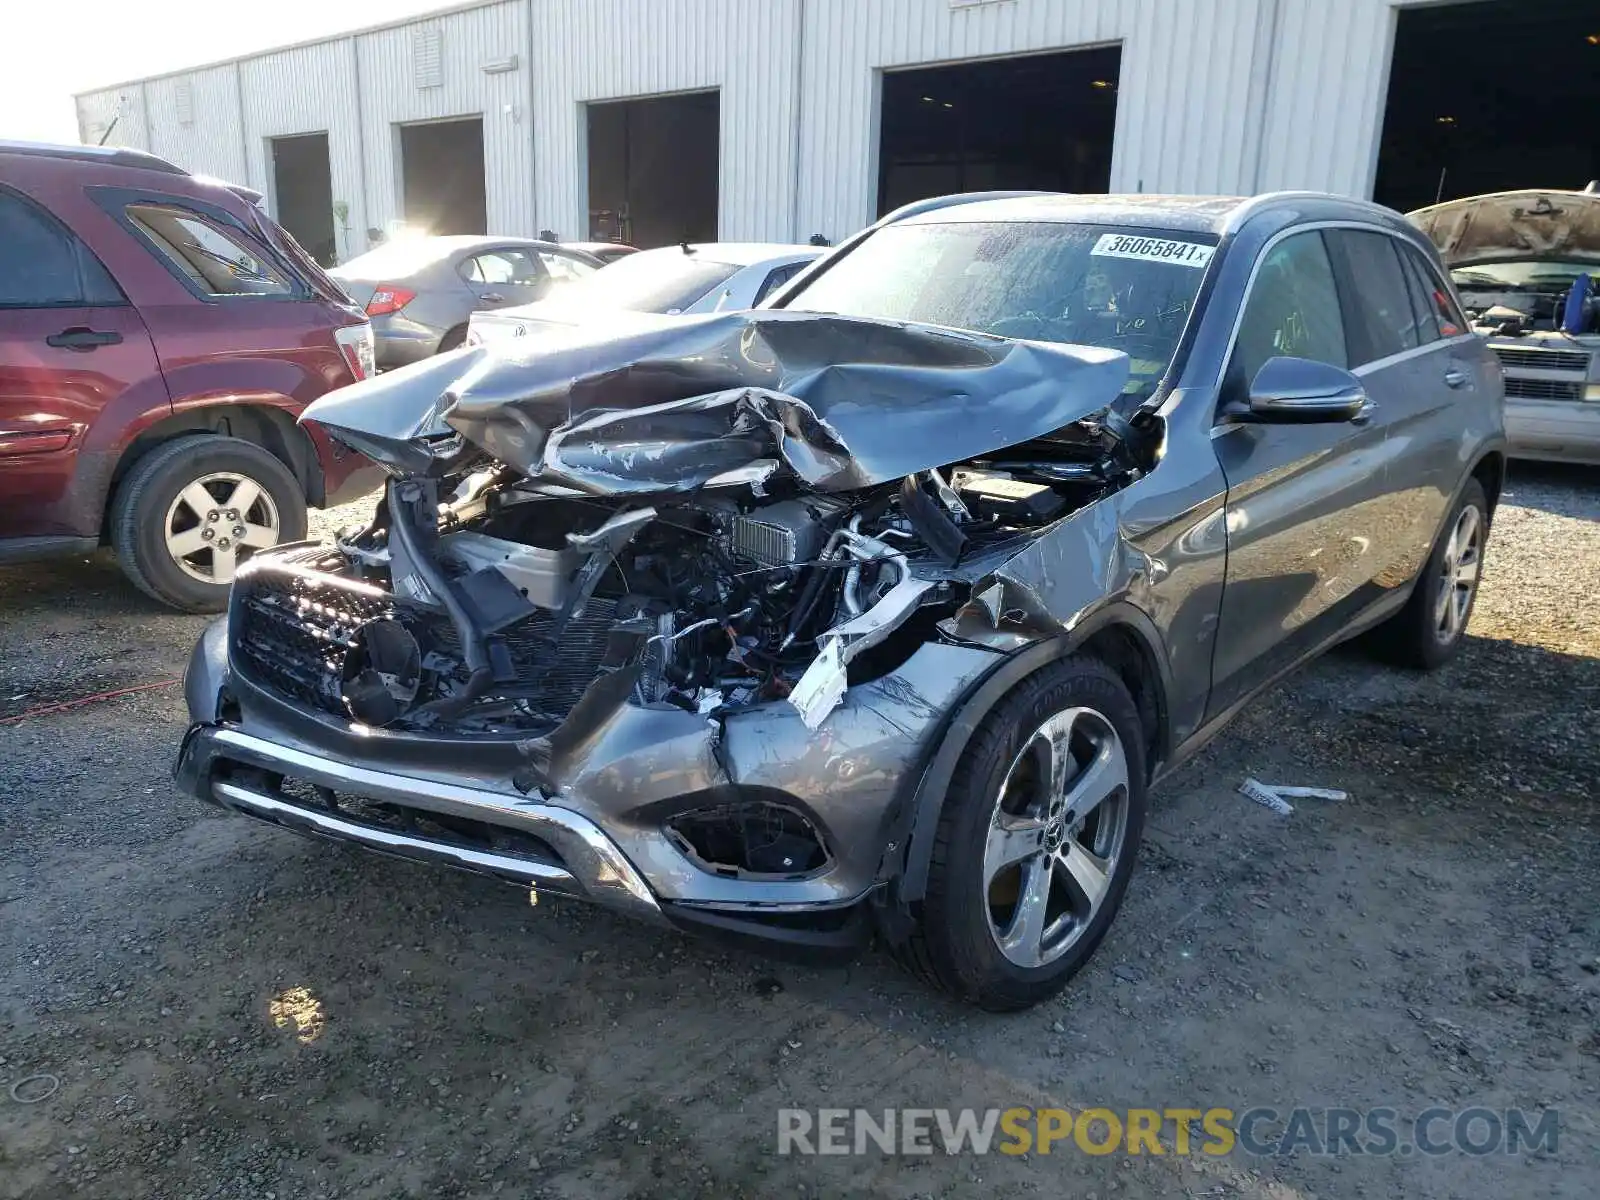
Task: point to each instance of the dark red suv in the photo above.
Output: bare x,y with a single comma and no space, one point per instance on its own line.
159,335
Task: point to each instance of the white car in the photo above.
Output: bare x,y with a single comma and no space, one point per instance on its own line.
672,281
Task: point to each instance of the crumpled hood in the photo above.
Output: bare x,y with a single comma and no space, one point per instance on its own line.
838,401
1514,227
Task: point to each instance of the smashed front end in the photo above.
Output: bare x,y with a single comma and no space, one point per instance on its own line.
669,621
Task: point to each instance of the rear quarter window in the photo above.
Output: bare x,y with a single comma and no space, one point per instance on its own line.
216,260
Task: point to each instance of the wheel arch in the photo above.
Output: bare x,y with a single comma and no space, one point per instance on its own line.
1490,471
1119,634
273,429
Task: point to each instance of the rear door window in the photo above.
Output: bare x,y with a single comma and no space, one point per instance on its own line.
1293,310
1378,308
563,268
216,260
503,266
1435,301
42,265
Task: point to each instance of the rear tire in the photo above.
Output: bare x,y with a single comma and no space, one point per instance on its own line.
1428,631
176,517
1026,830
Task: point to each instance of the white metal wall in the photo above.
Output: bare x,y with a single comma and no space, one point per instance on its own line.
1183,107
125,106
211,142
308,89
1325,112
1214,96
390,97
617,49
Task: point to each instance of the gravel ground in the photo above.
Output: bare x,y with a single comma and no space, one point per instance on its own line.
232,1011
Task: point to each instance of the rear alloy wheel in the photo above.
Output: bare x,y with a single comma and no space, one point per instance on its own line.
195,509
1428,631
217,520
1036,840
1457,582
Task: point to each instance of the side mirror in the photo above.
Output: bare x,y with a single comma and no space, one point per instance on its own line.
1290,390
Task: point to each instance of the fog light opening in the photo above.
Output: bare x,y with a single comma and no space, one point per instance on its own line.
751,840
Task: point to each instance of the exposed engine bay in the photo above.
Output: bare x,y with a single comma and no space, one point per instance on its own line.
705,550
714,600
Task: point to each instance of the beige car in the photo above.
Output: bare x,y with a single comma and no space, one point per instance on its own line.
1525,264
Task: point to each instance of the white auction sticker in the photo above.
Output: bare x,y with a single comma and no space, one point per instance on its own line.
1131,245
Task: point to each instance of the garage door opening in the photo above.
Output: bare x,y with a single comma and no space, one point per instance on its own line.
302,190
653,169
1491,96
1042,121
441,166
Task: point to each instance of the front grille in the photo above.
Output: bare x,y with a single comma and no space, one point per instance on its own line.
1542,389
1543,360
292,632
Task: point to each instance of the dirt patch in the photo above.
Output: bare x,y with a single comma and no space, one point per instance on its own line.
235,1012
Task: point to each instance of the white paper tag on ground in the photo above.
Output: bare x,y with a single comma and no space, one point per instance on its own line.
821,687
1149,249
1265,798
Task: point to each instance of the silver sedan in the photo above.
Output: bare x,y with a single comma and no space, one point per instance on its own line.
421,292
672,281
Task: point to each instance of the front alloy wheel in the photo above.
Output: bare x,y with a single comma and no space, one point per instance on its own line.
1036,839
1060,821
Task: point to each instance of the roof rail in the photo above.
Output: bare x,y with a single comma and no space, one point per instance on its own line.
110,156
1253,204
934,203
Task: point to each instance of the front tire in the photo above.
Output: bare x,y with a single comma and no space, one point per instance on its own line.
1428,631
194,509
1036,840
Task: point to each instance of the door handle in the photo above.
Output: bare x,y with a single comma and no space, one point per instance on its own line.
1455,378
492,298
80,337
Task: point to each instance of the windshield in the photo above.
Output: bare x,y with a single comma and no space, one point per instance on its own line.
658,281
1096,285
1521,276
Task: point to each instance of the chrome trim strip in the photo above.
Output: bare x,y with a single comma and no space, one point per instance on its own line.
518,870
601,872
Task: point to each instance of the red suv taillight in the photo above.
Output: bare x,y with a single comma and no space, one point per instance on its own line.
389,298
357,345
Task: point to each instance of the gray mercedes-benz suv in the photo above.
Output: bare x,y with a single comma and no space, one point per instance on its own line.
880,608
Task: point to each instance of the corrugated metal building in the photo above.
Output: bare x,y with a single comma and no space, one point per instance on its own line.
1204,96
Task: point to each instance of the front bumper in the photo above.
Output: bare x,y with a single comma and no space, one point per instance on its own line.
1553,430
585,863
602,834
